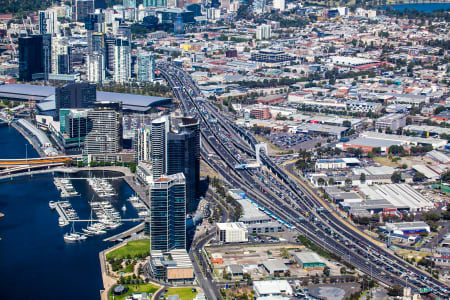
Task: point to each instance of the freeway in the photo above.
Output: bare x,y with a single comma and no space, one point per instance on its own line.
292,203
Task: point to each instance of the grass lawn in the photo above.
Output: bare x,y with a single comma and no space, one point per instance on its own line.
132,248
129,268
134,288
185,293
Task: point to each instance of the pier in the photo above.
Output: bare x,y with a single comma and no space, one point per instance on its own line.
62,214
65,191
141,191
125,234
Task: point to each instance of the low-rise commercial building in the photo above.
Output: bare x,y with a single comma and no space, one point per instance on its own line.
309,260
236,232
408,228
272,288
275,267
391,121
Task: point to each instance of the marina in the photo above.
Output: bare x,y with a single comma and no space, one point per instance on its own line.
65,211
66,187
38,225
102,187
139,205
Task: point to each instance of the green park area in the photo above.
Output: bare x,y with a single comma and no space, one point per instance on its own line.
134,288
133,249
185,293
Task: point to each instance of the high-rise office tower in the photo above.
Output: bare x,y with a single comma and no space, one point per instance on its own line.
48,21
225,4
106,133
81,9
155,3
279,4
168,213
30,57
160,130
95,36
47,54
178,26
145,67
61,56
75,95
129,3
259,6
183,155
110,43
122,60
143,144
191,124
96,67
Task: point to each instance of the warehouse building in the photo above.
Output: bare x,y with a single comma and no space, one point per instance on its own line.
309,260
428,130
405,140
271,56
398,196
275,267
407,228
272,288
439,157
236,232
336,163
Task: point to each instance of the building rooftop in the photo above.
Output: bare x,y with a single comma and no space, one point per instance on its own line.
370,142
309,257
274,265
272,287
250,212
231,226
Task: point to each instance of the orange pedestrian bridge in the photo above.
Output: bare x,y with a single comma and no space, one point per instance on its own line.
53,160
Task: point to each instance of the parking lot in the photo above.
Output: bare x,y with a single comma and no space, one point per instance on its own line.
288,141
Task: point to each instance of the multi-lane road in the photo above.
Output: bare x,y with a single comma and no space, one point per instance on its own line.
288,199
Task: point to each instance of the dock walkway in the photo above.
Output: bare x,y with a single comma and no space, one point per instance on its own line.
125,234
62,214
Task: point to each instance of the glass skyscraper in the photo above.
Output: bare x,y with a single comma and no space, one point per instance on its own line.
183,156
160,130
168,213
30,57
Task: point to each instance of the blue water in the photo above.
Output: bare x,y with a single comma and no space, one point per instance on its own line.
425,7
35,262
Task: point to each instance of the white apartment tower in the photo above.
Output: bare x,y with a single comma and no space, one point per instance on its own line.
96,67
279,4
122,61
263,32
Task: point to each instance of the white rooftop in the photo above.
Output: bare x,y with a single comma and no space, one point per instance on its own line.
272,287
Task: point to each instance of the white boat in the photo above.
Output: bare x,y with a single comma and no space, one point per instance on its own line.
61,222
69,238
52,204
114,225
124,208
142,214
87,231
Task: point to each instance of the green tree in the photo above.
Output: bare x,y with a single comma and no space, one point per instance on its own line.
418,177
439,109
348,182
326,271
347,123
396,177
362,178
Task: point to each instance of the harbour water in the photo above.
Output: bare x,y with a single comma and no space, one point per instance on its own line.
35,262
425,7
